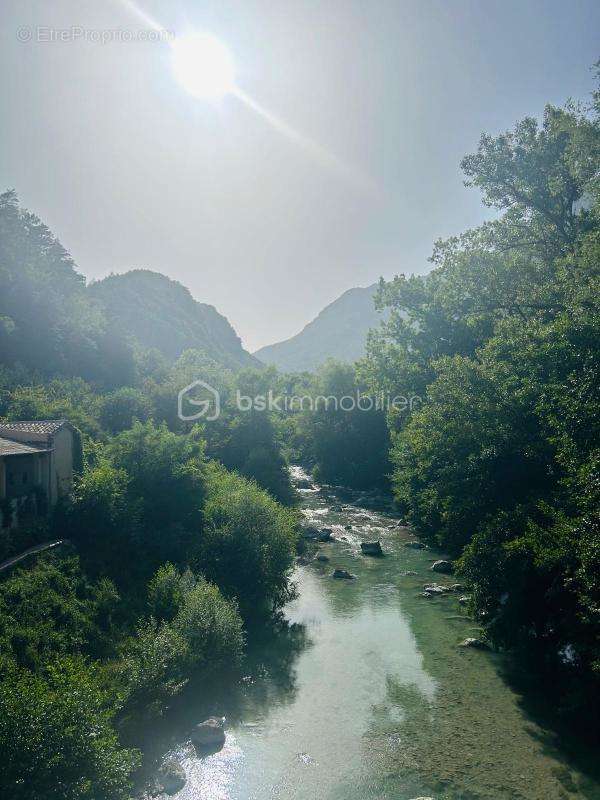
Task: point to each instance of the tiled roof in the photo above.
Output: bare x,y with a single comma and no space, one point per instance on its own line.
9,447
47,426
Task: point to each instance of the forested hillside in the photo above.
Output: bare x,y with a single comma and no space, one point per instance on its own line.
339,331
159,313
48,320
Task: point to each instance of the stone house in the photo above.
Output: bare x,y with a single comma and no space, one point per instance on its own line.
37,461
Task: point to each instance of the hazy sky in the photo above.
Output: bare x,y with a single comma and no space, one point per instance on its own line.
131,171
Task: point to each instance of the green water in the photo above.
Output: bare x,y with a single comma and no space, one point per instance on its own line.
364,694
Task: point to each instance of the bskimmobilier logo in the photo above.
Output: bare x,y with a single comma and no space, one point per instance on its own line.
202,396
200,400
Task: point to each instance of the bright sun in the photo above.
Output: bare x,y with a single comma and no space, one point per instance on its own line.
203,65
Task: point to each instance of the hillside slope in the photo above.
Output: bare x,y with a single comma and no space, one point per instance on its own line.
161,313
338,331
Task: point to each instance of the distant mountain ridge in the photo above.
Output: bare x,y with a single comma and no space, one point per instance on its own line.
161,313
338,331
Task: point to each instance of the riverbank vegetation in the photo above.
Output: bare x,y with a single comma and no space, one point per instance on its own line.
168,555
500,463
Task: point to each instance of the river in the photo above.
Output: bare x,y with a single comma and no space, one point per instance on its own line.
365,695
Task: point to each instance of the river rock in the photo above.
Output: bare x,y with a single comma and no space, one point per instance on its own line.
464,600
457,587
342,574
435,588
325,534
308,532
337,509
172,777
210,733
304,483
415,545
322,557
347,527
371,548
478,644
442,566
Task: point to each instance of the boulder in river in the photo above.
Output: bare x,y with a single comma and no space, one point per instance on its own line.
337,509
171,777
464,600
457,587
325,534
342,574
443,566
210,733
371,548
477,644
435,588
322,557
309,532
415,545
347,527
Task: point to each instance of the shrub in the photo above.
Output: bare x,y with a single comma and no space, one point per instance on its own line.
121,408
249,542
197,628
56,738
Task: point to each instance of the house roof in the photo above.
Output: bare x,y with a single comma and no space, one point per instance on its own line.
9,447
43,426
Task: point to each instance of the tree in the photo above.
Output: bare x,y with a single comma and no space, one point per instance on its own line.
248,544
56,738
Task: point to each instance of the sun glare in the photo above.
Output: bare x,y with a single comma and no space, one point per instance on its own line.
203,65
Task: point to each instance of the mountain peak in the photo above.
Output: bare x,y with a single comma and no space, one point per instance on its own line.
338,331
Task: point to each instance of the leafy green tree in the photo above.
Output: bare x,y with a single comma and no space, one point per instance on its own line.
56,737
122,408
248,544
196,629
141,505
52,610
346,440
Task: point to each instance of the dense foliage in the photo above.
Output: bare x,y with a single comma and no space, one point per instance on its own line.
499,465
56,737
248,544
339,429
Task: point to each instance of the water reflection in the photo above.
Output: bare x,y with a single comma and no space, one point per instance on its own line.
362,694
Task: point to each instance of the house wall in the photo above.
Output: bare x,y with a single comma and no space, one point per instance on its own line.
62,464
20,474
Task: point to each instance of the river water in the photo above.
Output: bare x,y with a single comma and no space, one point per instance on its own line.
365,695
